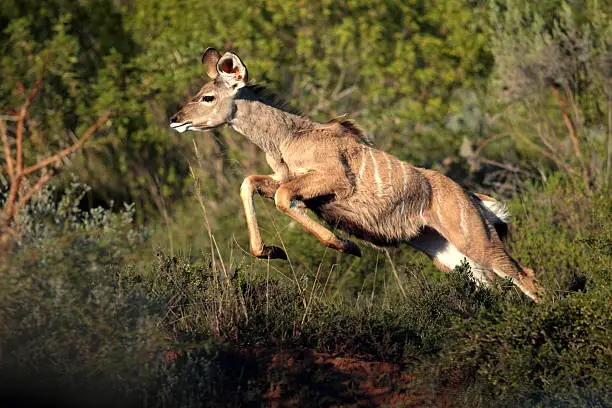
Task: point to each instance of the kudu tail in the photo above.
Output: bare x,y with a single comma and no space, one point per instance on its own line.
495,212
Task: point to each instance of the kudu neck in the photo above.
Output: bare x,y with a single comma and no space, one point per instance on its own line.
268,126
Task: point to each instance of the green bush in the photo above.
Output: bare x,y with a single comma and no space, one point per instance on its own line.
554,355
65,317
76,329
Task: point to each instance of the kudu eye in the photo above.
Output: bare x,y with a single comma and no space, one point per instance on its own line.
208,98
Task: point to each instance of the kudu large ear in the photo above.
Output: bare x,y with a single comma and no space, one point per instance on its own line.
209,60
232,70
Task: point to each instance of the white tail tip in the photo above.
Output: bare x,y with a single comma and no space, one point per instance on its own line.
497,211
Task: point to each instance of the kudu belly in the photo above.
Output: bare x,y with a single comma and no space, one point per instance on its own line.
380,222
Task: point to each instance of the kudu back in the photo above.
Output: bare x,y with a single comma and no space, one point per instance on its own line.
330,169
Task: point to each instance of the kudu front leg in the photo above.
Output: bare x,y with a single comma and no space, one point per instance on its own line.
265,186
304,188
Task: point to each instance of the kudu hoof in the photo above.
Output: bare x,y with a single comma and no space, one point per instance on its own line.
349,247
272,252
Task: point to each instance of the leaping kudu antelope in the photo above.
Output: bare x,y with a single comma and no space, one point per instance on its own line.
329,169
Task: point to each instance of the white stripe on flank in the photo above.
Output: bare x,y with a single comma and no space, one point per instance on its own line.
379,185
404,185
363,164
390,168
463,223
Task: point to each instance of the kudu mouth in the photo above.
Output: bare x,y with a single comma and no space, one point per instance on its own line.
185,126
181,127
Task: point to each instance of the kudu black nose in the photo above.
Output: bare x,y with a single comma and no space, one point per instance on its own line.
173,119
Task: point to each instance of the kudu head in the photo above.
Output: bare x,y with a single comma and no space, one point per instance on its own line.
213,105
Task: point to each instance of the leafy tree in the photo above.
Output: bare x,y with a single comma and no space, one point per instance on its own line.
391,65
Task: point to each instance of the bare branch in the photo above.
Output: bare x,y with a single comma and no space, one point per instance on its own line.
19,137
58,156
7,149
9,205
508,167
18,174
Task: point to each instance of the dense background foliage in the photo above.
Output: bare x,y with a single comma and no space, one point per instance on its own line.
509,98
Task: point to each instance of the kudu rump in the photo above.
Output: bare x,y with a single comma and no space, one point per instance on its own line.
329,169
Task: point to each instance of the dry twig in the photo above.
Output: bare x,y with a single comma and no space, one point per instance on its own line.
20,190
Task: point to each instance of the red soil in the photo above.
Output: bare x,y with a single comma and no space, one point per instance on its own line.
294,375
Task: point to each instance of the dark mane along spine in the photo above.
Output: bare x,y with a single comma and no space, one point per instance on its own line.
350,128
270,98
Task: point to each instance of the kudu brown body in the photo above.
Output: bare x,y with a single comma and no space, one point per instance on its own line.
329,169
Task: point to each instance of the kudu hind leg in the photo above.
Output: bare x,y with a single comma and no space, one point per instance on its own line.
304,188
265,186
486,249
445,256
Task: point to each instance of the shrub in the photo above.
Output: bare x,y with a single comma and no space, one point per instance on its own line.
557,354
